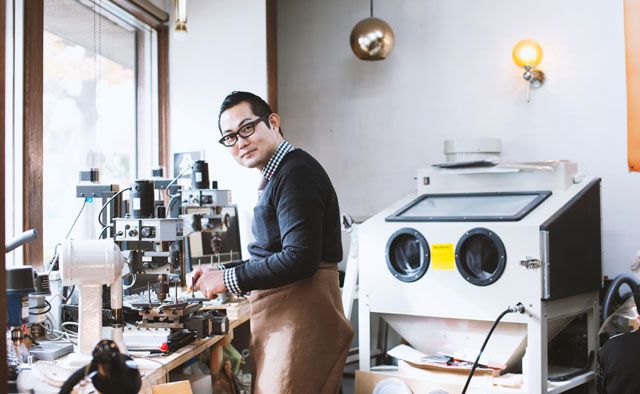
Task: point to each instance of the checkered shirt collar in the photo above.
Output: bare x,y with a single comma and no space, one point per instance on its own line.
273,163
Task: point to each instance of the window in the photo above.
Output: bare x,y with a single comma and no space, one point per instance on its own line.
90,109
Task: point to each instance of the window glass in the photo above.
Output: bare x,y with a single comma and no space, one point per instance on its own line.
91,110
469,205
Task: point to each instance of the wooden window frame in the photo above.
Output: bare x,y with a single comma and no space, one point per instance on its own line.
142,10
3,273
272,53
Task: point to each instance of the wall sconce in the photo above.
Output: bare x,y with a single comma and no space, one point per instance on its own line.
528,54
180,30
372,38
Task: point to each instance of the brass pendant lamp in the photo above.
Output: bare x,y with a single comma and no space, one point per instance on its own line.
372,38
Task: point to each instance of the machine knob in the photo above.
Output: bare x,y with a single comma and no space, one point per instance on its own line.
216,243
133,232
146,232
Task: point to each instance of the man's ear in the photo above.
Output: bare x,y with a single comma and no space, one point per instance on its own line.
274,122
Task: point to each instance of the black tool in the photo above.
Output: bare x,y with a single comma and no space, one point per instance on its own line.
208,323
111,372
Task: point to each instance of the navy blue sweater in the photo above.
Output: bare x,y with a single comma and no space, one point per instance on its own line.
296,224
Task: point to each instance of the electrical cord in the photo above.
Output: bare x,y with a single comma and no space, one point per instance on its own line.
70,323
47,309
70,294
133,282
174,198
106,204
103,229
174,180
71,336
53,260
48,327
76,219
155,361
512,309
76,377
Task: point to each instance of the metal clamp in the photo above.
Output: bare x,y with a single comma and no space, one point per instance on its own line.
531,263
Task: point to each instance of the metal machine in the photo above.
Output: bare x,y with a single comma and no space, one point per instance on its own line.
183,316
208,225
441,264
151,242
25,289
161,230
198,224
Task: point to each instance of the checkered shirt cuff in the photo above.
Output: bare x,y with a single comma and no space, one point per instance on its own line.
231,281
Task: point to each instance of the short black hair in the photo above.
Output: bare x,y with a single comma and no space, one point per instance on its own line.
259,107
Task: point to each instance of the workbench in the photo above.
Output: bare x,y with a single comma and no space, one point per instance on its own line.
163,365
155,370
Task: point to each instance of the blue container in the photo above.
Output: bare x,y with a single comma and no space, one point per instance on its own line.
19,284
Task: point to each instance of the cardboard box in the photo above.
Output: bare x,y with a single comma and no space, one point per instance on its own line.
182,387
200,383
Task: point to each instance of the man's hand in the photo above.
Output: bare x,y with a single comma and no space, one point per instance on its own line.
210,282
195,274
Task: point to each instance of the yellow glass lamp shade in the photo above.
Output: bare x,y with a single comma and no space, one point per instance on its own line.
527,53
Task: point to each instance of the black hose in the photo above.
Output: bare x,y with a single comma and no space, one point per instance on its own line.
47,308
103,230
106,204
75,378
612,291
520,309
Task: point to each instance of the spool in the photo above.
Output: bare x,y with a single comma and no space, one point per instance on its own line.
142,199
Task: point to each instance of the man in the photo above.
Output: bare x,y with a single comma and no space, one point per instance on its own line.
300,337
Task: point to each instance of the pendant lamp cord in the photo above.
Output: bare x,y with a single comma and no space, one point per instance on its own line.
371,4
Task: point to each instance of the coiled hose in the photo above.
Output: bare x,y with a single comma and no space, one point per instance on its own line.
612,292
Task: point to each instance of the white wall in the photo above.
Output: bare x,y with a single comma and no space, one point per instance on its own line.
225,50
371,124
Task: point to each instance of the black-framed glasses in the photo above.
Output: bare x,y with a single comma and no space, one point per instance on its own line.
245,131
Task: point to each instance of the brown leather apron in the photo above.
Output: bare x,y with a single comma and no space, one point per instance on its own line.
300,337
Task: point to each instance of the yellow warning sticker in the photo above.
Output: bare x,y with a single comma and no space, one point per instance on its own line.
443,257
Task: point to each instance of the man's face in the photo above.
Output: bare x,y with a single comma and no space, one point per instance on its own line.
255,150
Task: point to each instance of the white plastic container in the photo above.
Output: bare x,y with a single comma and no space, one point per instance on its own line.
472,149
